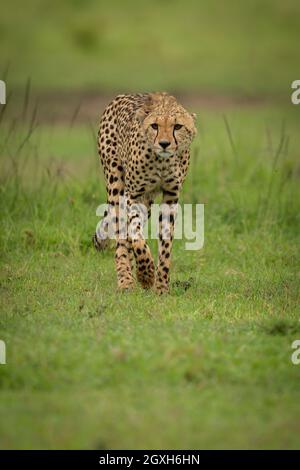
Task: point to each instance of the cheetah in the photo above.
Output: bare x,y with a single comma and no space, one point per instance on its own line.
144,146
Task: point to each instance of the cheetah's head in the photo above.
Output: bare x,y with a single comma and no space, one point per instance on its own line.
167,126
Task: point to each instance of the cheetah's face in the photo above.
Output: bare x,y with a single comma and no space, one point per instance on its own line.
169,135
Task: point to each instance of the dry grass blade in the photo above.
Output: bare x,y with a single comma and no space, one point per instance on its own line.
230,137
75,114
283,144
32,126
26,98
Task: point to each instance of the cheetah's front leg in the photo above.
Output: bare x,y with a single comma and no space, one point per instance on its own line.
144,261
123,256
167,217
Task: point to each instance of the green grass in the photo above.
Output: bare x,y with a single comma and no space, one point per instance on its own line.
248,47
207,366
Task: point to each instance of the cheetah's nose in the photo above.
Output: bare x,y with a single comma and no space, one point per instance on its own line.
164,144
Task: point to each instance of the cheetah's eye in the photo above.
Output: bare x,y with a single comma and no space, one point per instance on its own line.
177,127
154,126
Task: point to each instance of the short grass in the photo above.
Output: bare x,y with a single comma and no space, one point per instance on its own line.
247,47
208,366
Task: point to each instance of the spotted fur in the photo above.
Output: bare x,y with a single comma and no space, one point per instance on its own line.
143,143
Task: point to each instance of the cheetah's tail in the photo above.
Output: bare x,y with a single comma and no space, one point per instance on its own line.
99,244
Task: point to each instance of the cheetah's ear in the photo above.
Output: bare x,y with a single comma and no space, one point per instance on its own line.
144,110
141,114
192,123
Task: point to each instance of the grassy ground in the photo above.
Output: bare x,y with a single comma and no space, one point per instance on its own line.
207,366
248,47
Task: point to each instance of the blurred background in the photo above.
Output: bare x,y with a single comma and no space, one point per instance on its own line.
246,48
